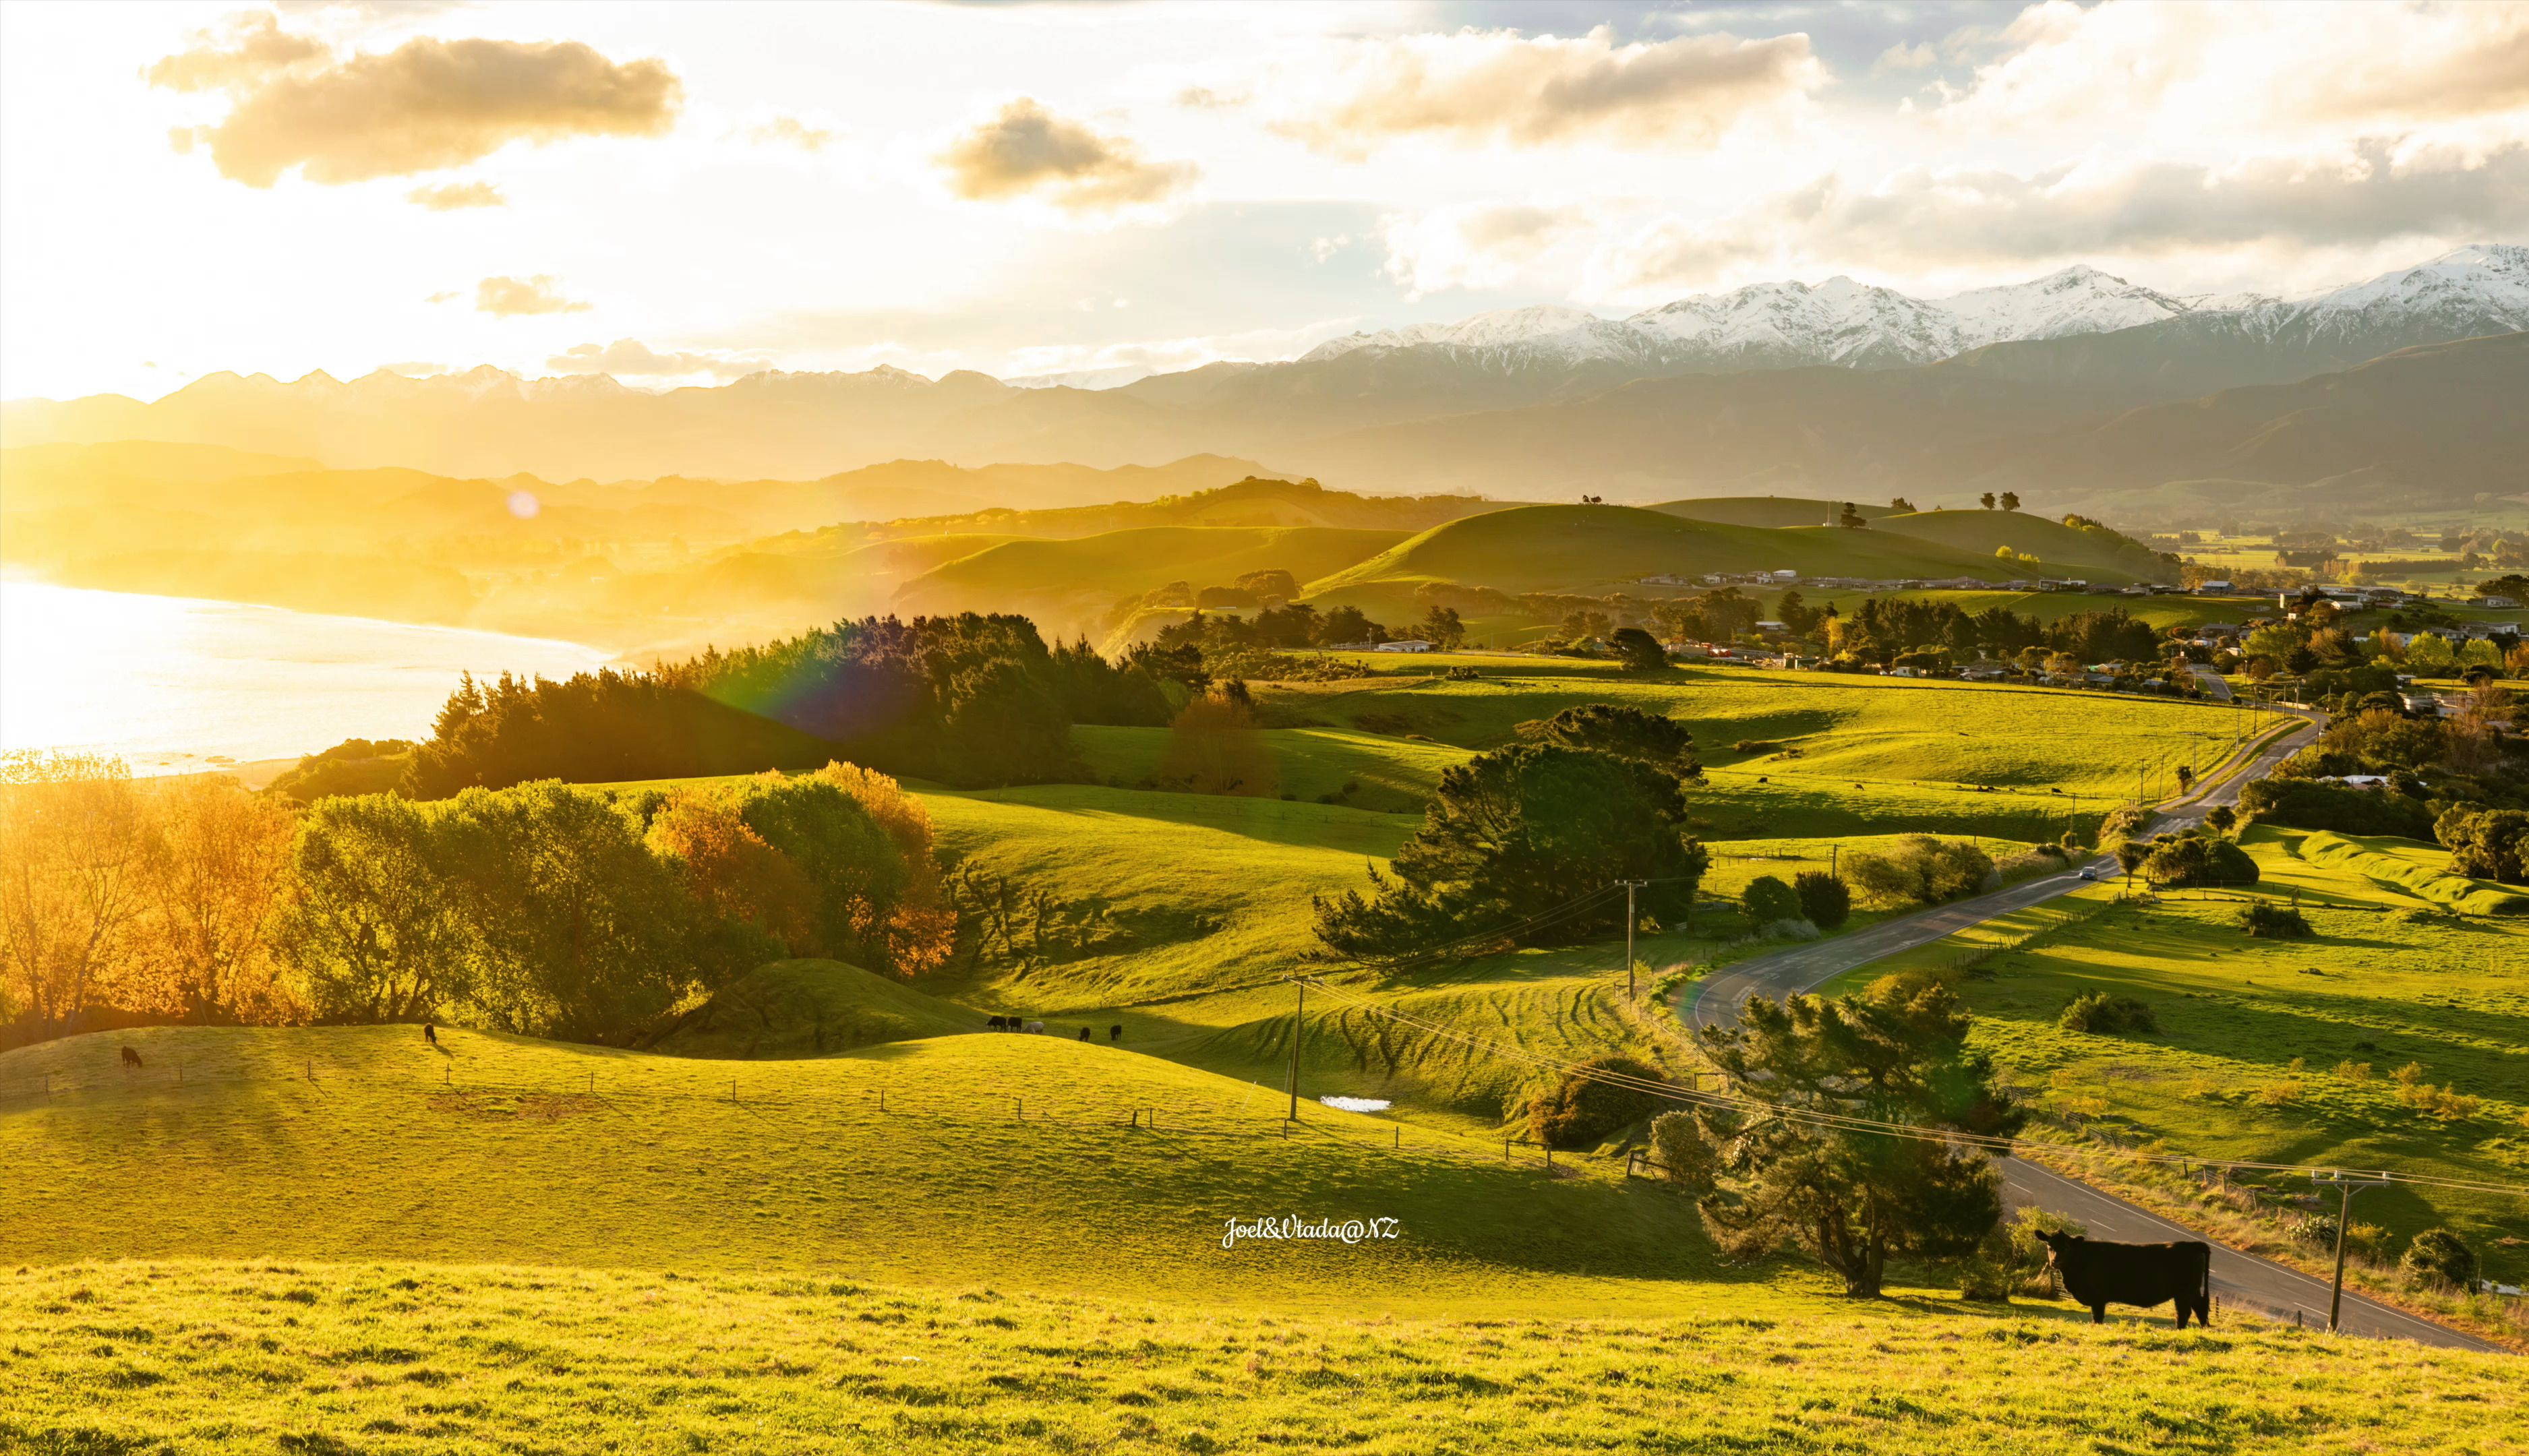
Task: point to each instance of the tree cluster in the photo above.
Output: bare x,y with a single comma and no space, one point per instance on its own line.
1513,839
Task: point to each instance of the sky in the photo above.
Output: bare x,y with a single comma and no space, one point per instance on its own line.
682,193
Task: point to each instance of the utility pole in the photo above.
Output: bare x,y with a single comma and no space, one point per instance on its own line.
2345,1188
1298,1010
1630,886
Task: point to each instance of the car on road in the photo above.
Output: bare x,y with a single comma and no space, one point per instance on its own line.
2089,874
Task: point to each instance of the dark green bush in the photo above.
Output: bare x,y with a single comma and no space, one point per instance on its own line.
1770,900
2301,803
1826,900
2439,1257
2265,921
2101,1014
1581,1111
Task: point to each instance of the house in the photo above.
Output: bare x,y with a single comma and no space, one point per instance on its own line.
2211,588
1785,576
1407,644
1984,673
2364,781
1772,628
2500,604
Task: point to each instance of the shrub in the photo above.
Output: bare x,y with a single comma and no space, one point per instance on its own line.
1580,1112
2265,921
2222,818
1770,900
2187,860
1685,1153
1826,900
2485,843
2438,1257
2123,821
2101,1014
2301,803
1920,871
1791,929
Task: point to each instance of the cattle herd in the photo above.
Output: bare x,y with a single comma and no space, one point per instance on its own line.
1114,1033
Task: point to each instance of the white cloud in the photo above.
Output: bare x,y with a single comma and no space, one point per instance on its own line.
632,357
1485,246
1502,87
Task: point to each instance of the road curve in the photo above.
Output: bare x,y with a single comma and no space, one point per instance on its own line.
2238,1278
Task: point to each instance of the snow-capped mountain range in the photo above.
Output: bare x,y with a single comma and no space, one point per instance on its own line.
2482,287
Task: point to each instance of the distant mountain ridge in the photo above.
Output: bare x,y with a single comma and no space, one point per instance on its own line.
1838,373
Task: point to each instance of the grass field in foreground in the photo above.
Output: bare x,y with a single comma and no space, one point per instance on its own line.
399,1359
1023,1162
2252,1033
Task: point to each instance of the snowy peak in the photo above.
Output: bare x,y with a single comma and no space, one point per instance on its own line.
2480,288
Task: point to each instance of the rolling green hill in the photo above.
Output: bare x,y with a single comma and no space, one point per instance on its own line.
1257,500
794,1009
1598,548
1772,513
2099,555
1067,584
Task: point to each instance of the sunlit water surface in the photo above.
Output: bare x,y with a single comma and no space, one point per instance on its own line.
171,683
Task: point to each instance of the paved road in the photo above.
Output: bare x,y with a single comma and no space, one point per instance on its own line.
2237,1278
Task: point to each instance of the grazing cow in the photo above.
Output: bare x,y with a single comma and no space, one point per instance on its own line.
1035,1026
2099,1274
430,1033
1084,1034
130,1058
1116,1033
997,1023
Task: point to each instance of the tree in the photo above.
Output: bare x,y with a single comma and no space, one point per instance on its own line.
1347,624
1826,900
2485,843
213,867
2222,818
1986,500
2129,857
1441,627
1271,588
1515,833
2185,777
1584,623
1654,738
1849,517
2009,501
2440,1258
1768,900
73,887
1216,746
1684,1153
1855,1191
369,927
1899,502
1919,870
1639,650
1592,1100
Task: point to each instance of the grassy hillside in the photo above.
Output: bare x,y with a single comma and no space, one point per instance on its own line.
1072,582
1257,500
1004,1160
1869,730
2284,1051
2098,555
794,1009
1771,512
1585,548
268,1357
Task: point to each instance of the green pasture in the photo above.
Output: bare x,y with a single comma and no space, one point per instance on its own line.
2252,1033
795,1008
1016,1161
1870,731
273,1356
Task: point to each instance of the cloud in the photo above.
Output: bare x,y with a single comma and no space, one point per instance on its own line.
630,356
425,105
1029,150
1483,86
456,195
1205,98
509,298
791,130
1904,57
1485,246
1923,219
2188,65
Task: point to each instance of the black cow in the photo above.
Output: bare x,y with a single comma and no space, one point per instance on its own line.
997,1023
2099,1274
130,1058
1084,1034
430,1033
1116,1033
